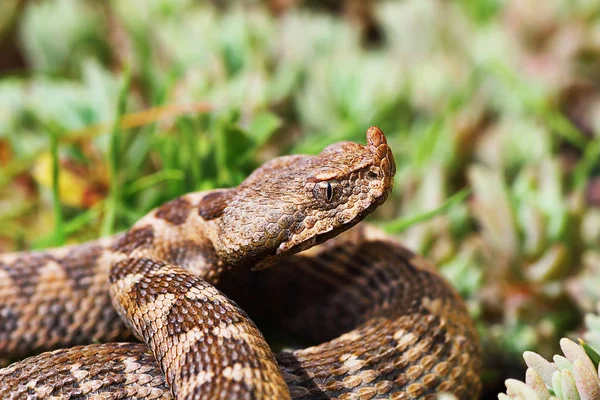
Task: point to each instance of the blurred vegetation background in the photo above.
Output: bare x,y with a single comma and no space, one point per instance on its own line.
492,107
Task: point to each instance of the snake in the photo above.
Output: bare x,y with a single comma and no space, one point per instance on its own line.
171,308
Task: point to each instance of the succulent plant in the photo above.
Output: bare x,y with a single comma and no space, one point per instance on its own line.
573,375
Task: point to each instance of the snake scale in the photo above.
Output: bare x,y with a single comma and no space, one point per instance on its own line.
379,321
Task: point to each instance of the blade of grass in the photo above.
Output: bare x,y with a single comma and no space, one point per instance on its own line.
189,138
112,202
583,170
59,235
223,172
153,179
79,222
169,160
402,224
131,215
141,118
72,226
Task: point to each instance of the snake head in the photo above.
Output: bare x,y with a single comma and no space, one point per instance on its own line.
295,202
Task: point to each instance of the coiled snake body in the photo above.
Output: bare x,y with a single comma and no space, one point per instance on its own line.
388,324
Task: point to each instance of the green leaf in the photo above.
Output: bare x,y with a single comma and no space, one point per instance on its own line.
263,126
233,150
595,357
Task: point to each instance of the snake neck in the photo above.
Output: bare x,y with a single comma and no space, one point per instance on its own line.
176,233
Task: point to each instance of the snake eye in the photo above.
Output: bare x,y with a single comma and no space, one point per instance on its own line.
324,191
329,192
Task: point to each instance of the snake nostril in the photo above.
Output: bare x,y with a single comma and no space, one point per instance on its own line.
372,175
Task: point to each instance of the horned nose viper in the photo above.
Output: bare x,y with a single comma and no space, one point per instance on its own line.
388,325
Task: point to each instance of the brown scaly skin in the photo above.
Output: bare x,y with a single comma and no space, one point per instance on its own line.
407,333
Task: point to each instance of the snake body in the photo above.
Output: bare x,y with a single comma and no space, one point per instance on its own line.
388,325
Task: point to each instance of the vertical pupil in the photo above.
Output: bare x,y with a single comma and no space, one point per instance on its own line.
329,192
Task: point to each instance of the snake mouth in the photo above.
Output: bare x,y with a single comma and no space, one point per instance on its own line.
289,247
304,245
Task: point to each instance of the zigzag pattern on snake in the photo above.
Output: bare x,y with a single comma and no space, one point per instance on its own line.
382,322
